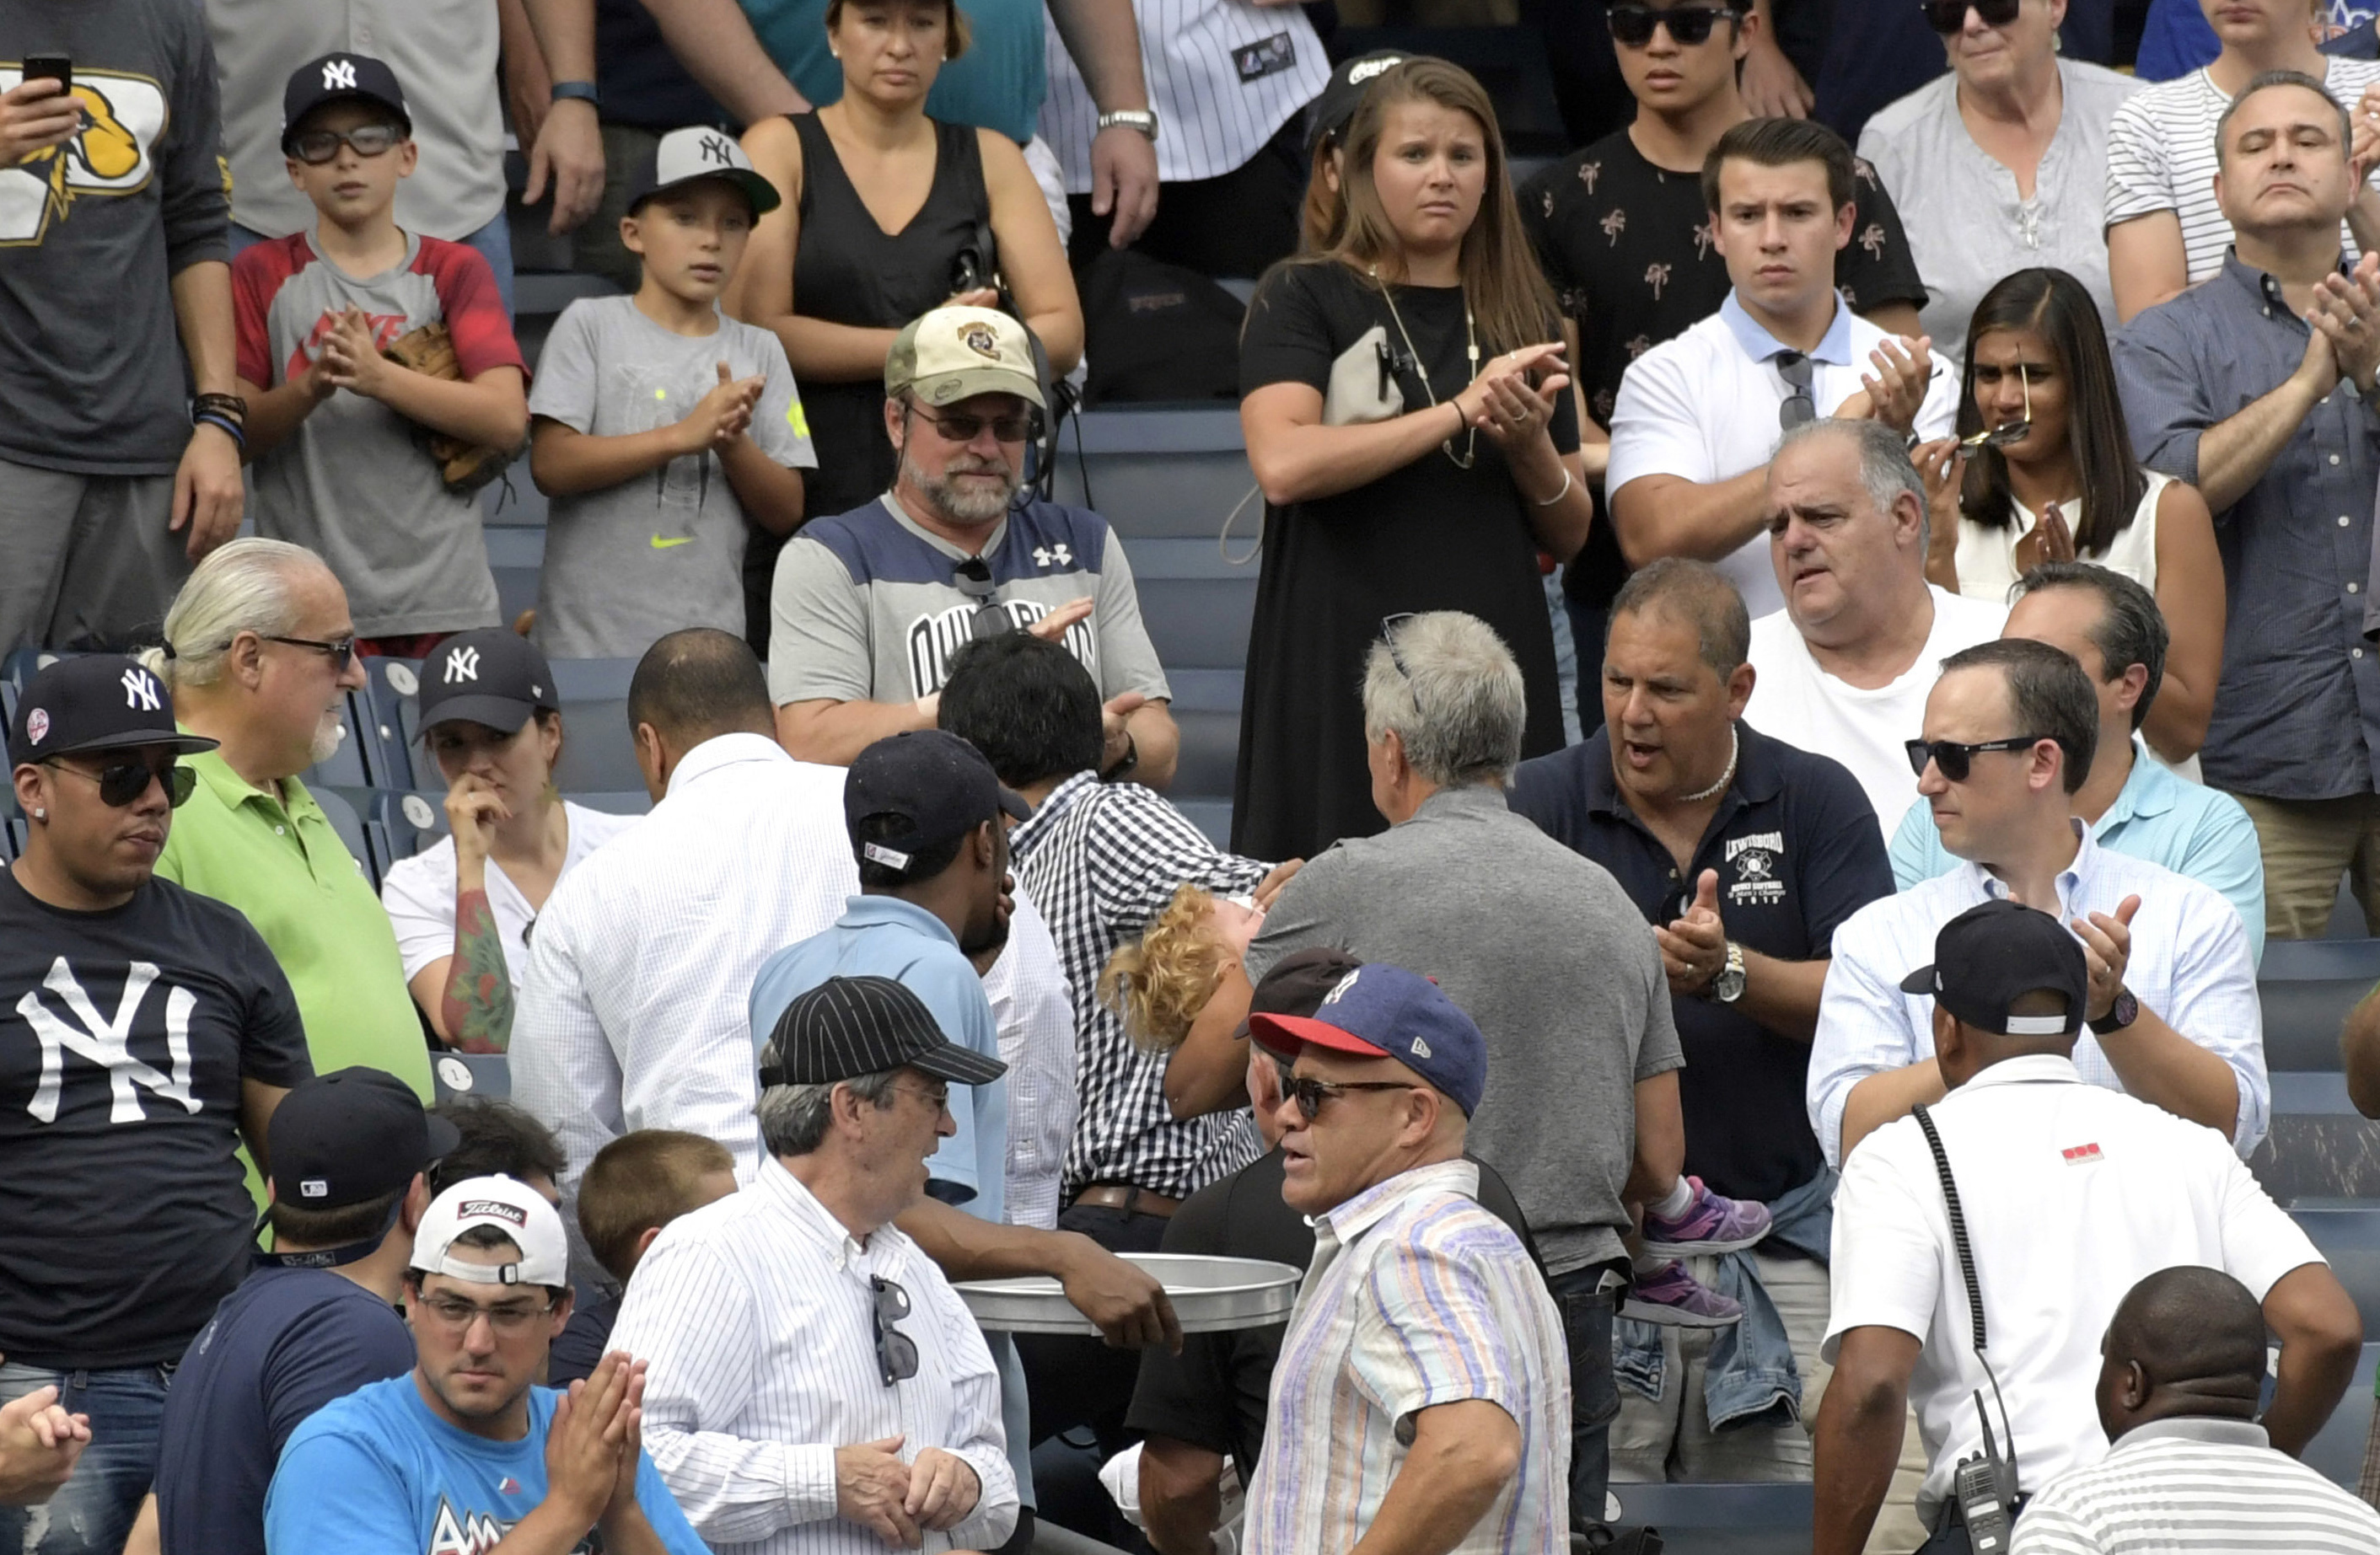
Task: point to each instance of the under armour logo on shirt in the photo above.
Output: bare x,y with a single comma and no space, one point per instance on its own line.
713,148
140,691
463,664
1044,554
338,75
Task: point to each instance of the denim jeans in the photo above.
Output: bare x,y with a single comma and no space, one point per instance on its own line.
92,1511
1586,1312
493,241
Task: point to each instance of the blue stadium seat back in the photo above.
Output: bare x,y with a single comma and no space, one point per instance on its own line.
599,752
344,820
23,664
8,706
392,702
2337,1451
472,1074
414,821
620,802
12,839
2306,988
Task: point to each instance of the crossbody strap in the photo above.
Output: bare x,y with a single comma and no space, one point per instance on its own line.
1957,1222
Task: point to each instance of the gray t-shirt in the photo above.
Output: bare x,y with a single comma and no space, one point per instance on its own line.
631,563
1544,950
866,607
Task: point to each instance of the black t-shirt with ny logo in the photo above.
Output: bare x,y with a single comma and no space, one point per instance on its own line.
1627,248
124,1038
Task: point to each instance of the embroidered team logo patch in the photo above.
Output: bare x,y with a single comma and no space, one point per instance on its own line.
979,339
2081,1155
37,725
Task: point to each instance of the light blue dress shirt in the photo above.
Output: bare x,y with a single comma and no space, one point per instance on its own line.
2158,815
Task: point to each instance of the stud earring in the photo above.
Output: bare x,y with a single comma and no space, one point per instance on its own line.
41,814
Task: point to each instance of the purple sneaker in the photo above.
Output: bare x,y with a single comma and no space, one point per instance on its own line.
1671,1298
1711,1225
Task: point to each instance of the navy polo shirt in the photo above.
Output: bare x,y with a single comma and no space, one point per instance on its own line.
1797,849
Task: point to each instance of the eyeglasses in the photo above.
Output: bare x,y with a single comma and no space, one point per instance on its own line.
457,1317
937,1097
896,1353
1310,1094
1798,408
319,146
340,651
1947,16
1632,26
1953,758
966,429
1389,627
973,577
122,783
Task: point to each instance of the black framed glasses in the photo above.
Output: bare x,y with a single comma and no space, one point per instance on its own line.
1947,16
966,429
1632,26
122,783
319,146
1798,408
1954,759
1310,1094
340,651
1390,626
973,577
896,1353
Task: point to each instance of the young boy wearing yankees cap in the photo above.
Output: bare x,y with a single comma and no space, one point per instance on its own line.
339,433
664,429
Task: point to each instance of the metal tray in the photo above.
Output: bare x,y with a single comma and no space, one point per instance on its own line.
1210,1294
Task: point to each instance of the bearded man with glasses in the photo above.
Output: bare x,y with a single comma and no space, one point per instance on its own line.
145,1033
259,657
466,1450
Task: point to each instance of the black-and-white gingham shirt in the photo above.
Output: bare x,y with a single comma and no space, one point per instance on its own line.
1102,860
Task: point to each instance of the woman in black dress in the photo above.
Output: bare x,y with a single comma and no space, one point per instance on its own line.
879,202
1416,443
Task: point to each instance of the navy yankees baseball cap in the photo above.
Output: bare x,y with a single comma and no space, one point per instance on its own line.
96,702
351,1136
934,784
1380,1011
1334,107
333,79
1992,954
852,1026
493,676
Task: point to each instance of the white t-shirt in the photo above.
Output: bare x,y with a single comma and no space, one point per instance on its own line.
1866,730
420,895
2161,157
1704,406
2072,1194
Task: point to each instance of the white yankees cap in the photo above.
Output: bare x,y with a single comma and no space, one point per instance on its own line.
686,156
513,1208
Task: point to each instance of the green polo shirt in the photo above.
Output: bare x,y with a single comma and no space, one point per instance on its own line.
282,866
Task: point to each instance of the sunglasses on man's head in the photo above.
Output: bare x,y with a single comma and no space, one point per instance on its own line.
1955,759
1947,16
122,783
1632,26
316,147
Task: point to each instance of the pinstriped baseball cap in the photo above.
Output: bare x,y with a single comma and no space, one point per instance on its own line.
852,1026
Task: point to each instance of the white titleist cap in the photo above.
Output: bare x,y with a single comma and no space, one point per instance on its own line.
513,1208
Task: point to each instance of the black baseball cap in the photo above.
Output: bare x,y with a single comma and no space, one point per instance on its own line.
1991,955
1335,105
935,783
336,77
852,1026
493,676
96,702
688,156
351,1136
1298,983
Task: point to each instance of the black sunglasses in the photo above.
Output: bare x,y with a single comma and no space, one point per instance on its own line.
1310,1094
973,577
319,146
1947,16
896,1353
122,783
1797,409
1954,759
340,651
1389,627
966,429
1632,26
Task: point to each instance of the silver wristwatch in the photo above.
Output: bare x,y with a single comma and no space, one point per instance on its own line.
1728,986
1141,119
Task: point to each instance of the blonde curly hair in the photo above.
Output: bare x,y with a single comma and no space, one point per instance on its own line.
1159,984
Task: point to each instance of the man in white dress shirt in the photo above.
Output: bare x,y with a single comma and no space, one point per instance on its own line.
1698,416
1844,668
814,1386
632,1012
2009,735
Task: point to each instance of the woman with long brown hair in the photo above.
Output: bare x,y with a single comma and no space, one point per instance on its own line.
1406,411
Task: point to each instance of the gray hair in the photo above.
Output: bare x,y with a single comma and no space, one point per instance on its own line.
1452,692
1884,463
794,1118
242,586
2266,82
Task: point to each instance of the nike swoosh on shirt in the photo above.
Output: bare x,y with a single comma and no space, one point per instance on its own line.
660,543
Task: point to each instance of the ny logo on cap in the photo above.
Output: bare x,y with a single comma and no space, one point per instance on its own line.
1366,71
463,664
338,75
140,691
1341,987
713,148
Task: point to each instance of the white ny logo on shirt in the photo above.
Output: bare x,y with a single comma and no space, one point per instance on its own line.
105,1043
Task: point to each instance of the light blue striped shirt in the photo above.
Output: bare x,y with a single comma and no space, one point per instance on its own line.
1417,1298
2158,815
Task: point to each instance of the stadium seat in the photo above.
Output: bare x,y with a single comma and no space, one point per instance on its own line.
12,839
350,828
22,664
599,753
472,1074
2306,987
392,702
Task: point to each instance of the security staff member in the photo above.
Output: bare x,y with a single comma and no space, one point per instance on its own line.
2070,1193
